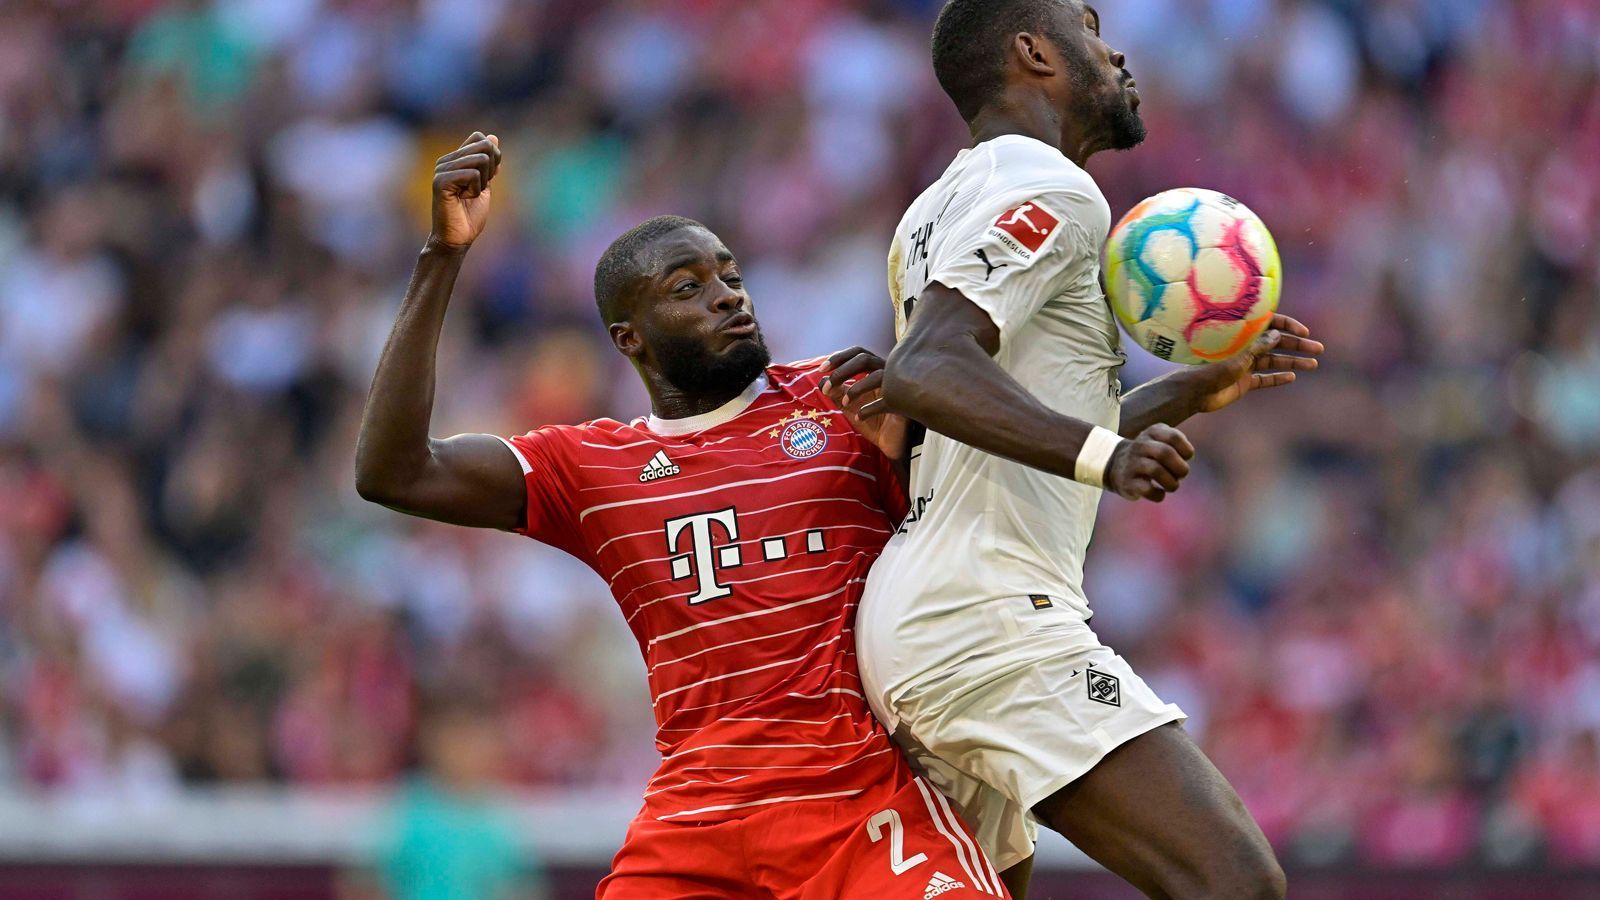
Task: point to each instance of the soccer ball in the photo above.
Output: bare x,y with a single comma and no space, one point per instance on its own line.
1193,275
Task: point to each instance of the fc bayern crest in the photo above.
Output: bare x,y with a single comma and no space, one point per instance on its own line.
803,439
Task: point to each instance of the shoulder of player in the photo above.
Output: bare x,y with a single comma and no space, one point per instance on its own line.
799,381
798,387
596,431
1017,150
1028,165
787,375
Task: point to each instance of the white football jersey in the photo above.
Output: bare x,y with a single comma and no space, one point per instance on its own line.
1017,228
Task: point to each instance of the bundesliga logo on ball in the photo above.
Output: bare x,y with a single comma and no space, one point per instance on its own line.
1193,275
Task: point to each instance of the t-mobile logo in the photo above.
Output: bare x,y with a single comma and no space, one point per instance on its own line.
704,555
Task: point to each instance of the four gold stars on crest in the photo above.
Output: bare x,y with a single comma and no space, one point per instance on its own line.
824,420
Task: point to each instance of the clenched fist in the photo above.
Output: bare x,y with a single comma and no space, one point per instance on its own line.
1150,466
461,190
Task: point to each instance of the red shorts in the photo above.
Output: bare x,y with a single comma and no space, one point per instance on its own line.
905,844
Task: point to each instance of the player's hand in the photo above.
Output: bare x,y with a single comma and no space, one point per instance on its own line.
1150,466
1266,363
855,384
461,190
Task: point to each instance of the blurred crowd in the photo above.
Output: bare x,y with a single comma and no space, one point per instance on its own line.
1378,599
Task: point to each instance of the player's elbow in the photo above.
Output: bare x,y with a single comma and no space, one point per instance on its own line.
373,487
910,382
377,482
899,389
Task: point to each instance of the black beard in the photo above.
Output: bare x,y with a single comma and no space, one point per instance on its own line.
1117,115
689,367
1127,129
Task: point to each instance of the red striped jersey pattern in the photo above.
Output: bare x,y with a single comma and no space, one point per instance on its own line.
736,545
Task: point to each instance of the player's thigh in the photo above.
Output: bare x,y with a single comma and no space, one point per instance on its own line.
662,861
1036,718
1018,879
1003,828
912,845
1158,813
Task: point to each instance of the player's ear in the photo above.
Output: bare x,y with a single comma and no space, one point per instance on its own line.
627,339
1033,55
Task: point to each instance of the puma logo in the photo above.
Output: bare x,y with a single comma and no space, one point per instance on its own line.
984,256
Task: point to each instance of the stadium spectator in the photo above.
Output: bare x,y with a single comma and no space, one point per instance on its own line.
1378,597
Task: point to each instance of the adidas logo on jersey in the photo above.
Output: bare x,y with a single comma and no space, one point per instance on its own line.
658,468
941,883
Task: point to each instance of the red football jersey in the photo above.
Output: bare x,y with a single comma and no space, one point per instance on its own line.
736,544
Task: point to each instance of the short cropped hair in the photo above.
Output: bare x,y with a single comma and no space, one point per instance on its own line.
620,264
970,41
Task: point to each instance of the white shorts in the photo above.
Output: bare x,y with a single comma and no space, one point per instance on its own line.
999,732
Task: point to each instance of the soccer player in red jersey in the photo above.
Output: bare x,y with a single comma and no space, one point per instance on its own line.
735,527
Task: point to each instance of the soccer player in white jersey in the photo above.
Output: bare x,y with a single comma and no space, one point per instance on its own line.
974,639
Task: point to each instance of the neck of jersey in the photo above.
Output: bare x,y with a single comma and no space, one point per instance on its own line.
724,413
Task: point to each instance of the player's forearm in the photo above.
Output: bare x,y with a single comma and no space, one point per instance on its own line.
959,391
1167,400
393,450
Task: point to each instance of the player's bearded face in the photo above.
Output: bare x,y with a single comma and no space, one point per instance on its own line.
694,367
1122,120
1100,94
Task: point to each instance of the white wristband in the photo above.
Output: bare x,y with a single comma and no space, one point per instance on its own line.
1095,457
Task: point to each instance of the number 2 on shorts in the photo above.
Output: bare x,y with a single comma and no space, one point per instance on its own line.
897,841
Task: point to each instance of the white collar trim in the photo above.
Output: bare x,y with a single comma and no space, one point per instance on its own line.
727,412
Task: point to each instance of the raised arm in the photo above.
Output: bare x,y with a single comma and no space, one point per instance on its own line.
470,479
943,375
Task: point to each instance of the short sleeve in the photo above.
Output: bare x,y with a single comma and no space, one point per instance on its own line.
1011,258
546,457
